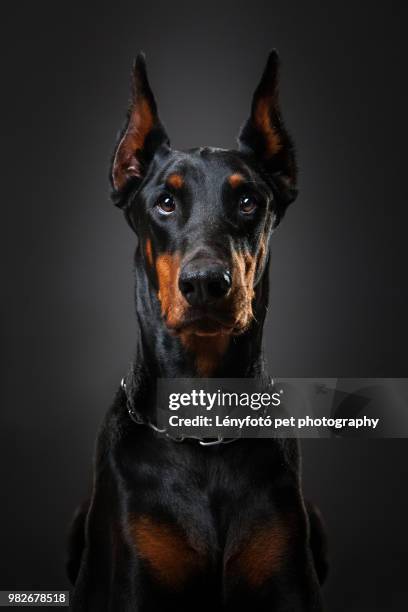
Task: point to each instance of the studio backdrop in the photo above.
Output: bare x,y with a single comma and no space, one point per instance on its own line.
338,281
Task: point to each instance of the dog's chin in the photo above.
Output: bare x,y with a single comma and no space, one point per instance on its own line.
207,327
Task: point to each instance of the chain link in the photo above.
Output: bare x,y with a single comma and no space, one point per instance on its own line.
140,420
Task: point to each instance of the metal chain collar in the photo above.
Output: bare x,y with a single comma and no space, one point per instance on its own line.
140,420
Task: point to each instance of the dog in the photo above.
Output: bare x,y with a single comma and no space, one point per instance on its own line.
183,525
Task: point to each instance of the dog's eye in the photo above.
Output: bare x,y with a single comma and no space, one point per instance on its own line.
166,205
247,204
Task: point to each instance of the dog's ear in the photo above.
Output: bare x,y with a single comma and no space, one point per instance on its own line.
265,137
142,135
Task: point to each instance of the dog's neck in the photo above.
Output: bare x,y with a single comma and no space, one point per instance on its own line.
165,355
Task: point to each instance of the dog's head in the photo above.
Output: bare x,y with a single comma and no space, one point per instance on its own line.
204,216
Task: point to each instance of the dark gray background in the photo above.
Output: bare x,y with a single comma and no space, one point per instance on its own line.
339,290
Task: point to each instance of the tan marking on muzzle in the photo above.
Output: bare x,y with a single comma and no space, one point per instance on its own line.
166,550
149,252
262,252
244,269
242,294
173,304
207,349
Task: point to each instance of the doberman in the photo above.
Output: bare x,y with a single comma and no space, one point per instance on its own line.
181,526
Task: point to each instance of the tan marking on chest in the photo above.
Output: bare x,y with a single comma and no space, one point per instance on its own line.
166,550
262,555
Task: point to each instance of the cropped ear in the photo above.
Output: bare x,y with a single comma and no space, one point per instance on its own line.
142,135
265,137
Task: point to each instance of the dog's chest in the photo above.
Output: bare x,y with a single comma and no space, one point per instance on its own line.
191,513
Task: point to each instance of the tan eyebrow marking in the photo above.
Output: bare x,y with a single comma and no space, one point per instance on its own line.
175,180
235,180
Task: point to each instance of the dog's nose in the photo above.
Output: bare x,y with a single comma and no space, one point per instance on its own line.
204,283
